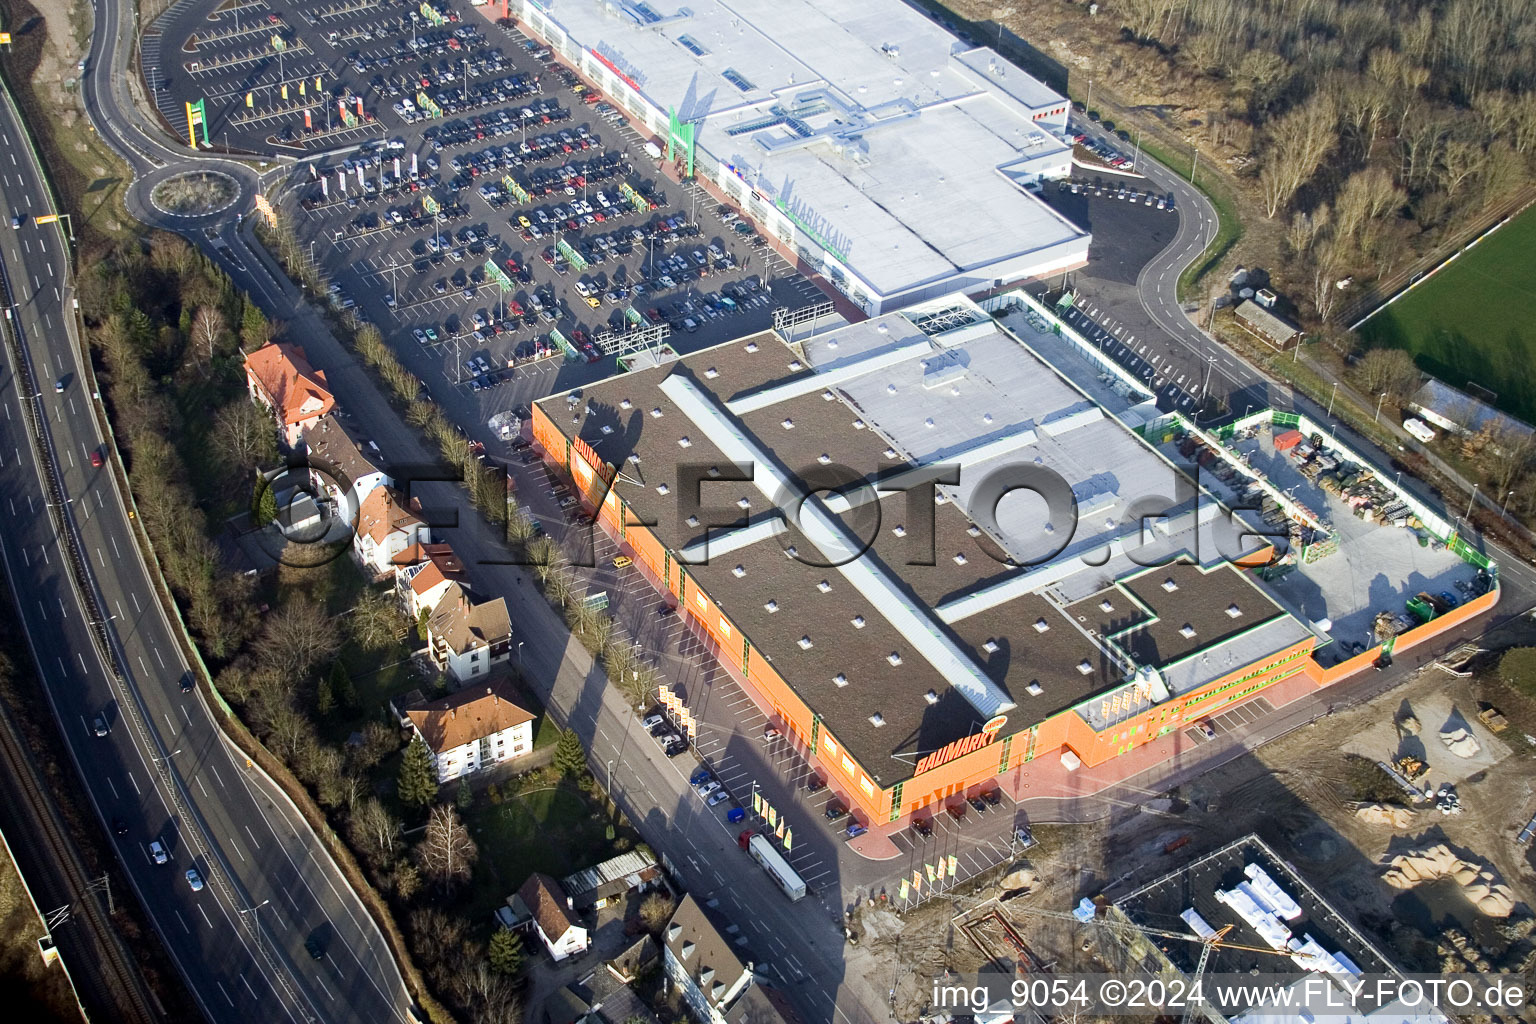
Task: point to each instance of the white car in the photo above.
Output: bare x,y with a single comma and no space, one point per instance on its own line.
706,788
195,880
651,721
421,338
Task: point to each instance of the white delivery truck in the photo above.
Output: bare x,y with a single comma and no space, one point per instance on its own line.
777,867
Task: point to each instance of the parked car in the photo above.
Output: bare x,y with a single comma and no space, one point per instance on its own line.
834,811
815,784
706,788
654,719
922,827
700,774
855,830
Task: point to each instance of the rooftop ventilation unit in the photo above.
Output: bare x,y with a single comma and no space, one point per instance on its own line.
840,679
1034,689
932,697
877,719
894,658
805,643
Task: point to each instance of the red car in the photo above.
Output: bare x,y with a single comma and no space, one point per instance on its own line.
514,307
96,459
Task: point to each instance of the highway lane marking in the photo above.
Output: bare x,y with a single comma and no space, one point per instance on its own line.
43,610
253,837
119,606
216,775
100,557
231,838
200,910
248,986
189,932
156,652
223,993
136,607
168,723
289,897
112,788
135,782
142,665
82,662
187,717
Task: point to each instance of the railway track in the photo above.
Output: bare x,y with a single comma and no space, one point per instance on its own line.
106,980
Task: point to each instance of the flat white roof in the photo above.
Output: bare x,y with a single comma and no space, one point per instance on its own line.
886,135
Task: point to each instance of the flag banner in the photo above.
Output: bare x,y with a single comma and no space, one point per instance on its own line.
954,865
250,99
903,888
780,831
917,880
309,125
757,803
284,89
317,83
301,87
929,869
789,839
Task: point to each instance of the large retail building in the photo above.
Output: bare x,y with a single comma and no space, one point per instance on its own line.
932,551
888,156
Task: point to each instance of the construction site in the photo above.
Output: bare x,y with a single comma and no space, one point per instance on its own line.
1400,830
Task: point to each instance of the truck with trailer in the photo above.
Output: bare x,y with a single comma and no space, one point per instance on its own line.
777,867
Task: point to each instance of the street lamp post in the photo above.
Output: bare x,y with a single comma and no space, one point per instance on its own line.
1379,399
520,652
1505,509
1331,396
1470,502
608,781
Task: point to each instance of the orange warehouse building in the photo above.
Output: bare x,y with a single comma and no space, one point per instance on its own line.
841,519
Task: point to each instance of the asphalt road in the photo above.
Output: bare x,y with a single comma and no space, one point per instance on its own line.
800,945
165,770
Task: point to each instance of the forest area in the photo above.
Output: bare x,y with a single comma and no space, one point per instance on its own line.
1358,133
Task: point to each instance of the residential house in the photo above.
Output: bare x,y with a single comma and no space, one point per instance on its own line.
466,637
550,917
472,729
761,1004
604,883
343,468
604,996
387,524
278,375
423,573
702,964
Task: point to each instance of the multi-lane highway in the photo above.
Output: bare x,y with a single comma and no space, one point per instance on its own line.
252,965
163,772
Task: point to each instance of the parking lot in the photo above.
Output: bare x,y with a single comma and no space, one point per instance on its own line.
523,242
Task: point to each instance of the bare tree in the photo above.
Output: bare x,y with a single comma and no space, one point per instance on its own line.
1295,148
1304,229
298,637
1461,160
374,831
446,853
374,620
1389,371
655,912
243,435
1327,264
1366,196
208,329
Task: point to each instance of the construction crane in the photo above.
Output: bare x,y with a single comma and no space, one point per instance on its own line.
1208,945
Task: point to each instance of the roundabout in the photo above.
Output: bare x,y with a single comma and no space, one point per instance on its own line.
192,194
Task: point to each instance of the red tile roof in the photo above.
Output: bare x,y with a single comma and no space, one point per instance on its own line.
296,390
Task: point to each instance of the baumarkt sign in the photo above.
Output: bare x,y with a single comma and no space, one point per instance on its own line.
961,747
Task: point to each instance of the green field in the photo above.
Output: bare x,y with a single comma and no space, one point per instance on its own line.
1475,321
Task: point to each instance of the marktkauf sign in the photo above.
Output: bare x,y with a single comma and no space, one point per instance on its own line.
963,746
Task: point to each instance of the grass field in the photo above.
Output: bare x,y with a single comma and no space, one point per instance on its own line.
1475,321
